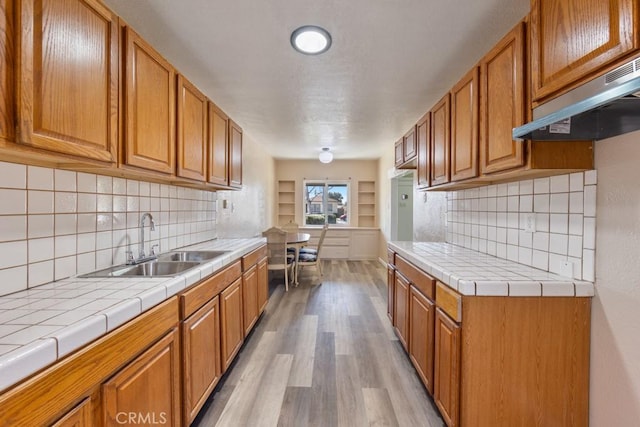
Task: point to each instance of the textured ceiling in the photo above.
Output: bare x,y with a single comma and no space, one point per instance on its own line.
390,61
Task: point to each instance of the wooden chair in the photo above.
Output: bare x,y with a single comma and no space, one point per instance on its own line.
310,257
277,257
291,227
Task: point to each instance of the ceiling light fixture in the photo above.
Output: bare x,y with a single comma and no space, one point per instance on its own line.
311,40
326,155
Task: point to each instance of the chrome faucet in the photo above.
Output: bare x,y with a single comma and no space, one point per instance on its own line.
142,257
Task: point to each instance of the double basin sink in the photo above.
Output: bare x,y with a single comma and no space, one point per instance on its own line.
166,265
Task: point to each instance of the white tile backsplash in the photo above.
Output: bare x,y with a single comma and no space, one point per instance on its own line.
60,223
561,205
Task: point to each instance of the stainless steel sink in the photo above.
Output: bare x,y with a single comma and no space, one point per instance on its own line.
147,269
198,256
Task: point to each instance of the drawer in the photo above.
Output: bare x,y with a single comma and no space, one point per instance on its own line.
421,280
199,294
391,257
253,257
449,301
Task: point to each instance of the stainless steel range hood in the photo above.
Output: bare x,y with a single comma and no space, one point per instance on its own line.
606,106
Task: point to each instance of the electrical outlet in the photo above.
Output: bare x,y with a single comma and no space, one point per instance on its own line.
566,269
530,223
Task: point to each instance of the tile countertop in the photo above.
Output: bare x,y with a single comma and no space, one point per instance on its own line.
475,273
43,324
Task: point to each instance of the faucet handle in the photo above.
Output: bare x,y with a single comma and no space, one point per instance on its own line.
130,258
153,250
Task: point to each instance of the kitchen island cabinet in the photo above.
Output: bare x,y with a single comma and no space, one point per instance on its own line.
572,40
149,114
446,391
65,105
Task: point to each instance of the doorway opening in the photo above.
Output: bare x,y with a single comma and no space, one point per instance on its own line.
402,207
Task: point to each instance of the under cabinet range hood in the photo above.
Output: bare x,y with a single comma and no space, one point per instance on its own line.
606,106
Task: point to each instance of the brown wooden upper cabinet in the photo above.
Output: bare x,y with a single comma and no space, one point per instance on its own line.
235,155
149,99
406,150
7,59
66,105
423,137
440,143
502,104
218,146
571,39
464,127
192,131
398,153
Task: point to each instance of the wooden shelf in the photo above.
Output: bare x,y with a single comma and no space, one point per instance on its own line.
366,204
286,201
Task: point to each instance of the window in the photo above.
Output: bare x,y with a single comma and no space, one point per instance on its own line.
326,202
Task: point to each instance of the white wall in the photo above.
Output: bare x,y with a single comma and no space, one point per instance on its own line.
615,320
249,211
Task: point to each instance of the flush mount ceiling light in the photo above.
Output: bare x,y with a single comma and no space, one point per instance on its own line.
311,40
326,156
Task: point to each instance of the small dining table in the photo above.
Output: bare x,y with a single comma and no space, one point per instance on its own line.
297,241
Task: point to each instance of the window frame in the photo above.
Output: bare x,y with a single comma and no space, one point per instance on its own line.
325,206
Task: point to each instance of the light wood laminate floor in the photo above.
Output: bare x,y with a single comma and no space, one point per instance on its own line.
323,354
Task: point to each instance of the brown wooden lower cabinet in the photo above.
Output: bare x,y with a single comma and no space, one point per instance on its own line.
391,279
401,309
201,357
421,335
147,390
249,298
80,416
263,285
447,368
231,326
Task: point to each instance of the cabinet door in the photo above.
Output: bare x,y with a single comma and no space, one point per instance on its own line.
69,103
80,416
464,127
399,153
249,298
401,309
571,39
218,146
423,135
148,387
263,285
7,60
440,146
502,104
201,357
235,152
391,279
409,145
231,331
192,131
150,107
421,330
446,392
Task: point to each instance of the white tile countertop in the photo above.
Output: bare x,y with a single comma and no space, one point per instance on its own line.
474,273
43,324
